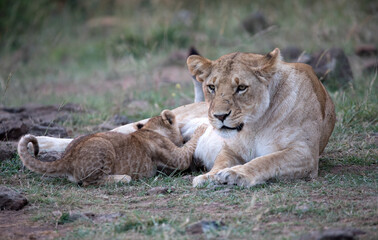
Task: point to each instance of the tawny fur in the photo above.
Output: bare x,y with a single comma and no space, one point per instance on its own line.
285,118
275,118
112,156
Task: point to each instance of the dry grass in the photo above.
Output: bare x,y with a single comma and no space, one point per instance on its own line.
69,59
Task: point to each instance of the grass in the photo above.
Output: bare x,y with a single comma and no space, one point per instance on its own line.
63,58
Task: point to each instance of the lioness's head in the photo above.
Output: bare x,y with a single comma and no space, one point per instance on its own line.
236,86
166,125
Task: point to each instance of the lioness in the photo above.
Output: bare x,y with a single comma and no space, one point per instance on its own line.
268,119
112,156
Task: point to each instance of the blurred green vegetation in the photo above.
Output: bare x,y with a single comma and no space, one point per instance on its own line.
75,51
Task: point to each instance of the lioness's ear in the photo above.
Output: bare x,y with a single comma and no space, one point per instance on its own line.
199,67
168,117
272,58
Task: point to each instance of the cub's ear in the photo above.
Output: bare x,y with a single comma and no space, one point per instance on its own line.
168,117
138,126
199,67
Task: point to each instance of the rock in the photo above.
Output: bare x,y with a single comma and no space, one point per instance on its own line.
366,50
370,66
205,226
332,234
255,23
34,119
332,68
11,200
7,150
52,129
13,129
160,190
291,54
115,121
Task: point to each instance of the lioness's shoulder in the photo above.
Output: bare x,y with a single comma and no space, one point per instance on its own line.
311,78
303,68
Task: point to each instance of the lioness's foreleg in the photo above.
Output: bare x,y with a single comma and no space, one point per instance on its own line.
226,159
288,163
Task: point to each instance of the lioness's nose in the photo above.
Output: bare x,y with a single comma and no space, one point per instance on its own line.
222,117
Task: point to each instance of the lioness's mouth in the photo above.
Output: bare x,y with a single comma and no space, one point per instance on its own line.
237,128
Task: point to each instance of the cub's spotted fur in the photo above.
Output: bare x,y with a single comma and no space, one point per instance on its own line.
112,156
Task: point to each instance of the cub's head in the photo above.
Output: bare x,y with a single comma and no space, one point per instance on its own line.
166,125
236,86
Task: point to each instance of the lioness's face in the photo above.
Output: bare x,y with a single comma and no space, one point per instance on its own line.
236,88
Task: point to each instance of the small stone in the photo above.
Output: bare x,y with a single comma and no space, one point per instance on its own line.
11,200
160,190
205,226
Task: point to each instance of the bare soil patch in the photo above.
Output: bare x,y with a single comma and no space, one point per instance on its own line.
17,225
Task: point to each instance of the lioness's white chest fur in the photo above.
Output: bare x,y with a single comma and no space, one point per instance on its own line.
209,145
212,141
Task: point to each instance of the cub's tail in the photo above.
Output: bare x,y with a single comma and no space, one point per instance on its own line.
55,168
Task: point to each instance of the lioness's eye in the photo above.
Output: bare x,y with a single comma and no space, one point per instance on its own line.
241,88
211,88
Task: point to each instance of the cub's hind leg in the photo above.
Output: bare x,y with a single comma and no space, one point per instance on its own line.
94,163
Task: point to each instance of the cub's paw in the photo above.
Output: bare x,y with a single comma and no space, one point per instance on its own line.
201,129
118,179
204,180
235,176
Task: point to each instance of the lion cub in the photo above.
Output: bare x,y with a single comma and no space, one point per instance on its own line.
114,157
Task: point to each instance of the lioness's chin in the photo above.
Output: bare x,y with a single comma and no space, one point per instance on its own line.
238,128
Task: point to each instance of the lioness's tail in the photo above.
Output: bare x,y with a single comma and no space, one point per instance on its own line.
54,168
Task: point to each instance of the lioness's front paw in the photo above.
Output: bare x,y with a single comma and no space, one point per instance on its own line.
234,176
203,180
